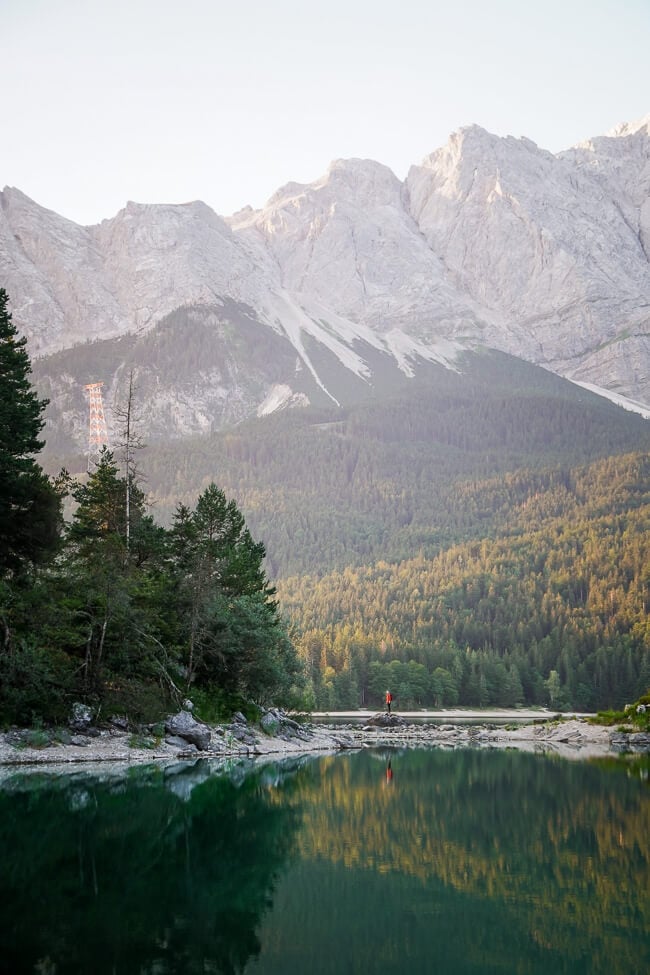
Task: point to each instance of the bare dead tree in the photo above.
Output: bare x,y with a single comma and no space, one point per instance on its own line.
129,443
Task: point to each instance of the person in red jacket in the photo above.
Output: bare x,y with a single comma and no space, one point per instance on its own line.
389,700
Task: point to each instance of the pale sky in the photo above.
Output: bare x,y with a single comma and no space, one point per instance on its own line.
166,101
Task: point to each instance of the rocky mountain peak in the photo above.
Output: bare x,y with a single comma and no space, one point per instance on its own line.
489,240
624,129
362,180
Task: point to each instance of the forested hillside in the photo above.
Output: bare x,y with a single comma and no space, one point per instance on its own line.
552,609
421,470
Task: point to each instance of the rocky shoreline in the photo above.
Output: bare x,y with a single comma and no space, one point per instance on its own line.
277,735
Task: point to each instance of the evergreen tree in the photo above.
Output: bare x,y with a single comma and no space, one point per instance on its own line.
116,597
229,629
30,508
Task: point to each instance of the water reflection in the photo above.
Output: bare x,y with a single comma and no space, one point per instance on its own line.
155,872
480,862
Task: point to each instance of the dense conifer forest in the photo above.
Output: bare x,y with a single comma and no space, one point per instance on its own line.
551,610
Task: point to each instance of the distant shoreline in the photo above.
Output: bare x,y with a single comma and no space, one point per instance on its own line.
456,714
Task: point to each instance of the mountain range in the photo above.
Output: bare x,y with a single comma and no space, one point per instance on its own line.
338,290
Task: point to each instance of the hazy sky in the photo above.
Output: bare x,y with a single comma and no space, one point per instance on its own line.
226,100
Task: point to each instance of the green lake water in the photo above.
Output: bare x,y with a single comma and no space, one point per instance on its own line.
418,861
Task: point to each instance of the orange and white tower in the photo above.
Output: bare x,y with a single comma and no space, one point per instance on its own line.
97,429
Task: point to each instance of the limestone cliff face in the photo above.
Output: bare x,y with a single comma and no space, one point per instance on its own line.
162,257
56,277
348,243
489,241
551,245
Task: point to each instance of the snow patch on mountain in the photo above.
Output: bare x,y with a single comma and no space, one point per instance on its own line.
628,404
280,397
287,317
407,350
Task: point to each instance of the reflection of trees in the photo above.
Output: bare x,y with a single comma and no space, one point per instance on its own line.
563,848
130,878
472,859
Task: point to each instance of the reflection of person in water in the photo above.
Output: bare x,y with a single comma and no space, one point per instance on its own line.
389,773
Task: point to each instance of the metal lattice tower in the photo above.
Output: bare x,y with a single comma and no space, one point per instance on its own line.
97,429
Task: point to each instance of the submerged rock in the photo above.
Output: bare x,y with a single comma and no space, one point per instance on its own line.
630,741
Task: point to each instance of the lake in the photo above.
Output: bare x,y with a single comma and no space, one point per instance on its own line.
373,862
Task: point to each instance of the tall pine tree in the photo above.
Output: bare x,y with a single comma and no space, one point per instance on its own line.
30,510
